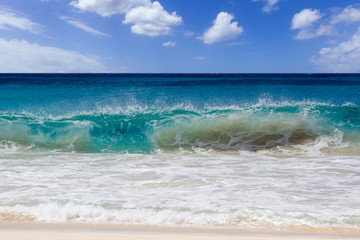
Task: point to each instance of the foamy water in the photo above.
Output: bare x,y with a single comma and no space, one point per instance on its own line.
202,190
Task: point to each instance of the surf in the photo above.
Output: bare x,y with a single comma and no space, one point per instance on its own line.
327,128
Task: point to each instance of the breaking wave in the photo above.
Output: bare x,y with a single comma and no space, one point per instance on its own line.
300,128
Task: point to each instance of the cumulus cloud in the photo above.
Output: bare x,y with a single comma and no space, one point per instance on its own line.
23,56
311,23
270,5
344,57
10,19
222,29
169,44
151,20
305,18
108,8
84,27
146,17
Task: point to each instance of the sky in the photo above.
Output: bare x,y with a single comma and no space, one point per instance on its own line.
179,36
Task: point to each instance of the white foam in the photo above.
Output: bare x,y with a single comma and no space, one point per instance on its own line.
182,189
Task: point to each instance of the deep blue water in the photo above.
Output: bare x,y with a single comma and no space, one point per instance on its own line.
59,93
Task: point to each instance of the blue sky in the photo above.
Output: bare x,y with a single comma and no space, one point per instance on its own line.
180,36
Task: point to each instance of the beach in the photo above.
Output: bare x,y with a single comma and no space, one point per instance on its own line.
107,232
179,120
65,235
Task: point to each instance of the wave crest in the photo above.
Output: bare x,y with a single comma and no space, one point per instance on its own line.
325,128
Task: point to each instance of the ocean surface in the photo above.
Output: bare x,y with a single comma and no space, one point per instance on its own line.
239,151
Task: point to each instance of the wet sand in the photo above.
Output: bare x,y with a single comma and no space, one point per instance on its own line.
39,231
97,235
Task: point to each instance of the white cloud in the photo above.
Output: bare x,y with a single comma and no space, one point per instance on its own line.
84,27
22,56
222,29
342,58
151,20
107,8
349,14
305,18
146,18
169,44
322,30
10,19
270,5
311,23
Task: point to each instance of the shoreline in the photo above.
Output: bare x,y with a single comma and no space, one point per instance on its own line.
80,231
66,234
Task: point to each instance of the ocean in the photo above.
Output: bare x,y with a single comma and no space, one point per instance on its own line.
230,151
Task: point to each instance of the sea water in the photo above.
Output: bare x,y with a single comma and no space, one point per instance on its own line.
240,151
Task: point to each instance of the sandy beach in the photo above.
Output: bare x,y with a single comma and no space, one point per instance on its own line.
98,235
78,231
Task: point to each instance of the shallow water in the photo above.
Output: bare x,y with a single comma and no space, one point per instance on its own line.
180,189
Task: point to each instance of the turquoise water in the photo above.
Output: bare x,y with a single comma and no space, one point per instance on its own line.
170,130
239,151
151,113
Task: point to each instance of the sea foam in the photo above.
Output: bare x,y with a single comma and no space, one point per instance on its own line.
194,190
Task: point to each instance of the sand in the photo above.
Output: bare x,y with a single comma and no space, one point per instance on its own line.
38,231
98,235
